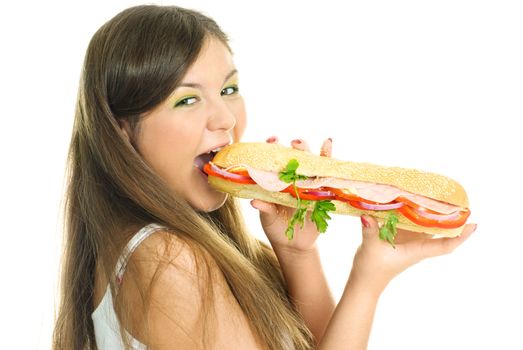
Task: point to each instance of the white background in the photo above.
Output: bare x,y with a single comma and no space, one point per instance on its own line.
436,86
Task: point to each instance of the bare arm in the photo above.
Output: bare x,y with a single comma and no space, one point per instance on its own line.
299,259
375,264
350,326
308,288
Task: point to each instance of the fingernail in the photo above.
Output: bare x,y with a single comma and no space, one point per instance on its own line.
330,139
475,227
365,222
298,141
271,139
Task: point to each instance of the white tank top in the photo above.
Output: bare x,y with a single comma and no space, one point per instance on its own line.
106,326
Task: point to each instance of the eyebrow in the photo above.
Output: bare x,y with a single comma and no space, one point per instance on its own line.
199,86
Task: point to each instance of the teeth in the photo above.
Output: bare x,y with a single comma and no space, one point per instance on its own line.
216,150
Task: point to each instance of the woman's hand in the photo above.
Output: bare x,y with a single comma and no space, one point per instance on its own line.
376,262
275,218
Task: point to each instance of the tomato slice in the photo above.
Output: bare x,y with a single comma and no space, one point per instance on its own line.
418,218
410,210
313,194
347,196
239,178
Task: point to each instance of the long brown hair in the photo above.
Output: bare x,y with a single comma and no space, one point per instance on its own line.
132,64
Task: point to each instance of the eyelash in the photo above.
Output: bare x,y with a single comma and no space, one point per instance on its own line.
183,102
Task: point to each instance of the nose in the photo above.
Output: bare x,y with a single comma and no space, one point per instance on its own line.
221,116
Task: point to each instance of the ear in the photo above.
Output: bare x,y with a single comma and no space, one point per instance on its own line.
126,129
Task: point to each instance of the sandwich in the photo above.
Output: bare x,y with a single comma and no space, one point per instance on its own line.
397,197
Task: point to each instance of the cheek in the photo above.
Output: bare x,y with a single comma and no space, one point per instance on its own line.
168,146
241,121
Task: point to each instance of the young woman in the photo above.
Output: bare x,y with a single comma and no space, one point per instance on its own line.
155,258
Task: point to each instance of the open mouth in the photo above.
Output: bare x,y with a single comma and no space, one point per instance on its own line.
203,159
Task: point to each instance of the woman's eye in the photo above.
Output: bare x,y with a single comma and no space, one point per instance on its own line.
230,90
186,101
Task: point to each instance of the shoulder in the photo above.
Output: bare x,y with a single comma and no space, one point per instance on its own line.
166,262
185,295
162,282
165,249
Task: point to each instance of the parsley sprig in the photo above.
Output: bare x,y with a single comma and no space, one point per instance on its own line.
297,218
388,231
319,214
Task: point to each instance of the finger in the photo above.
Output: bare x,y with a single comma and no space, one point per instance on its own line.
441,246
300,145
270,212
326,148
264,207
272,139
369,230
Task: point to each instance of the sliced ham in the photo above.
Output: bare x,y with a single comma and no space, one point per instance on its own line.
267,180
380,193
270,181
368,190
314,182
432,204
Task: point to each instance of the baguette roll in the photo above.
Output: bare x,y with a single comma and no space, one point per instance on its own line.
275,157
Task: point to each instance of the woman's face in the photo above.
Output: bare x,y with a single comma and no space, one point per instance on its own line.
206,111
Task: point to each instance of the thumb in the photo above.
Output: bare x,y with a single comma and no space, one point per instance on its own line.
369,228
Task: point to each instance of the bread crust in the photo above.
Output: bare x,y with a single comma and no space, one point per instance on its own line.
257,192
274,157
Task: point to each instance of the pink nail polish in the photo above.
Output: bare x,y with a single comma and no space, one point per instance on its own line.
365,222
298,141
330,139
271,139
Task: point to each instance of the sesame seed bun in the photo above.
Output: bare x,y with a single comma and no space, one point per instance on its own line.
274,157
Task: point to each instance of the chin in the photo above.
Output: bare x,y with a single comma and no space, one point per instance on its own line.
215,202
